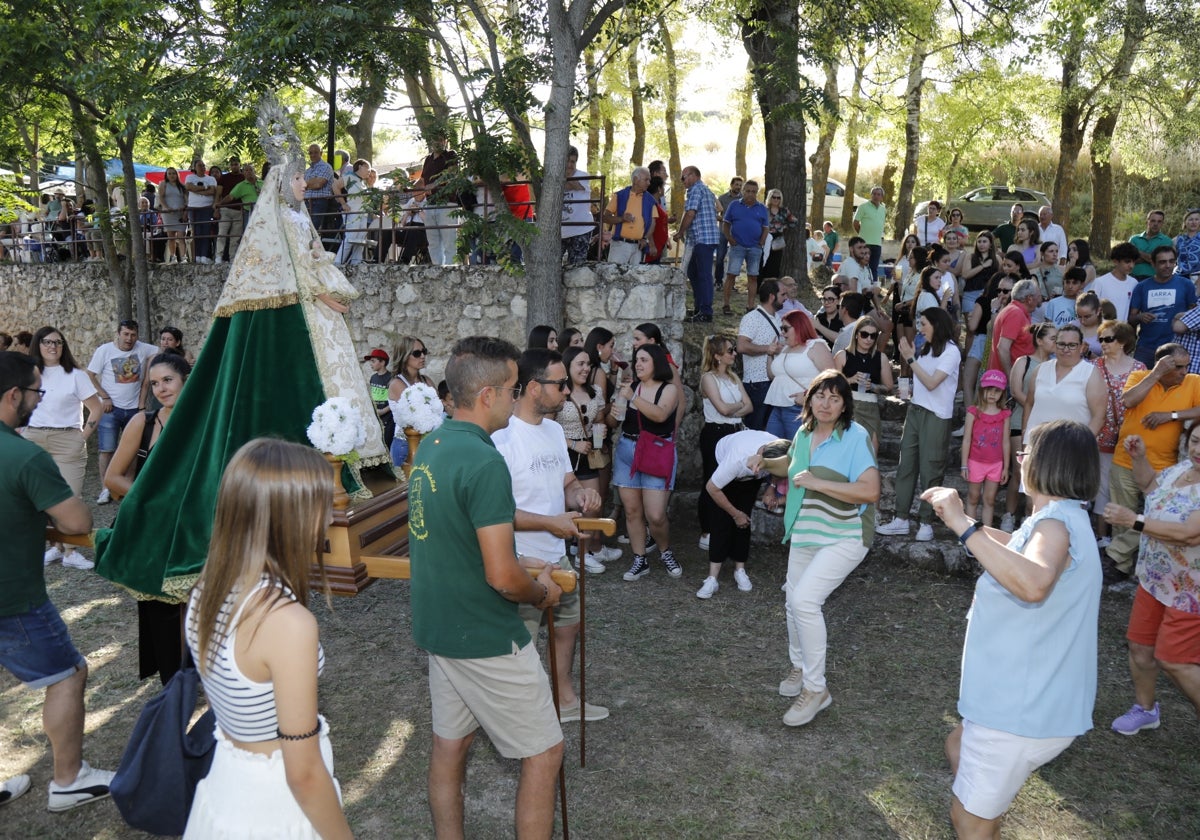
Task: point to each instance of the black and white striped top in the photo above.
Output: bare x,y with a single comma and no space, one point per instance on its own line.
245,709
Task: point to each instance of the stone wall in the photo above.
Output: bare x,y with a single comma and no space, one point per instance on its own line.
438,304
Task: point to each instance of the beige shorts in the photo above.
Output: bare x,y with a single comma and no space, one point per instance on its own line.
509,696
565,614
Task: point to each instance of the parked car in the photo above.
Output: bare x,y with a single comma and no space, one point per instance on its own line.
835,198
984,208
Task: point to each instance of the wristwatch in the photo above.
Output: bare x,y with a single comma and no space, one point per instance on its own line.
1139,524
1174,415
912,361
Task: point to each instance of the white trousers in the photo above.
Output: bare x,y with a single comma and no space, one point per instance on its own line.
814,571
443,241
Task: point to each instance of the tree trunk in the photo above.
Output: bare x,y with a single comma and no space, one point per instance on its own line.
30,138
606,158
829,123
671,91
769,35
136,255
846,222
1100,235
85,129
912,138
593,110
1073,122
637,117
373,96
746,119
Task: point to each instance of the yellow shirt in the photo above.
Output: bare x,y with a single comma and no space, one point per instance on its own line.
637,228
1162,444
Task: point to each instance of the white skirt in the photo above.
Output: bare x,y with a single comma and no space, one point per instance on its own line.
246,795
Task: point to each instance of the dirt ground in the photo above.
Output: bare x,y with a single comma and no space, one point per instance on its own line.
695,747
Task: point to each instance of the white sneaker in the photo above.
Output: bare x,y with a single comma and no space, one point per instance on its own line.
743,580
623,539
1103,543
593,565
89,786
170,260
53,553
203,261
219,260
608,555
104,498
707,589
925,533
896,528
77,561
704,542
1007,525
13,788
958,432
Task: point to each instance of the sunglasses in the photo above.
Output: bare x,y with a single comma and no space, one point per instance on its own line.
417,353
560,384
1106,339
868,335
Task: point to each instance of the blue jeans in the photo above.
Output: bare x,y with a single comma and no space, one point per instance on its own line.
36,648
750,255
700,275
108,432
757,391
783,421
719,260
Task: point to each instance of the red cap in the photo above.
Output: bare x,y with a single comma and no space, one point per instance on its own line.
376,354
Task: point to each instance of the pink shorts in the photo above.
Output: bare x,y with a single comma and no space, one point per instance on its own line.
979,472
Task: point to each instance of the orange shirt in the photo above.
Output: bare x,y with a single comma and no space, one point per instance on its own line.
637,228
1162,444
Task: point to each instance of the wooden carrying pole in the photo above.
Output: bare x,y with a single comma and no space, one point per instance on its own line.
608,527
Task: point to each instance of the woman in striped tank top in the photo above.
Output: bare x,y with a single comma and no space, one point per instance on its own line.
255,644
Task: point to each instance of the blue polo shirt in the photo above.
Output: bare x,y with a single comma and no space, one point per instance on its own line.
746,223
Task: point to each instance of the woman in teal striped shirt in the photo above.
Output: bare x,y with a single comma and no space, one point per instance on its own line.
830,520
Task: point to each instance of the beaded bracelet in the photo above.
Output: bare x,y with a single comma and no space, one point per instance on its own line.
304,737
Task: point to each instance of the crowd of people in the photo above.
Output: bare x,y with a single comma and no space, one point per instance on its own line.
1076,391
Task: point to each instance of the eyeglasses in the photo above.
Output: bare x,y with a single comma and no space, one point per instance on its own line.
829,299
42,393
418,353
1004,291
561,384
1067,345
1106,339
51,342
868,335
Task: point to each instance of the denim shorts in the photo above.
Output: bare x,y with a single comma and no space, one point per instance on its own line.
36,647
112,423
750,255
623,463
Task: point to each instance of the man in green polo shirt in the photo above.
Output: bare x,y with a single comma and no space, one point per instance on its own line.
869,219
484,670
37,647
1146,242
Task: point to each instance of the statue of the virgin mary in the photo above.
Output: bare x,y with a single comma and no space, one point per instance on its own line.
278,347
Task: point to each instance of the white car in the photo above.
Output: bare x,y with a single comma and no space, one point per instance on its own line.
835,199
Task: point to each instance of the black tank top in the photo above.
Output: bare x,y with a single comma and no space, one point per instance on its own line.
857,363
664,428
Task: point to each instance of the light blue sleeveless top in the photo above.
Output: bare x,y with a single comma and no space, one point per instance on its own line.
1030,669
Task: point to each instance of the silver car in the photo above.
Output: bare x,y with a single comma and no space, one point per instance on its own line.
984,208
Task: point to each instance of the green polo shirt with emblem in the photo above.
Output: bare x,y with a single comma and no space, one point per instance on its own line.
871,220
30,484
459,483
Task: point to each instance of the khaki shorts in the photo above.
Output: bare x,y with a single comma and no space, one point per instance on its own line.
994,765
565,614
509,696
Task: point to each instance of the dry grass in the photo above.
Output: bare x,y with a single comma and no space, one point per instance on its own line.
695,747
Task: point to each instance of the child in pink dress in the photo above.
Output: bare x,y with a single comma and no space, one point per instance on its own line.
986,446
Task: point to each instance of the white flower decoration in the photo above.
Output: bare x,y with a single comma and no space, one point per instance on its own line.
419,408
337,427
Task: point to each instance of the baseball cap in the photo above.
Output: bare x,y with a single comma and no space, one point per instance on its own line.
376,354
994,379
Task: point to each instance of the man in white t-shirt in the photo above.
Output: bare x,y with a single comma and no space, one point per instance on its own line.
1050,231
118,370
1118,285
535,449
201,193
759,339
578,224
